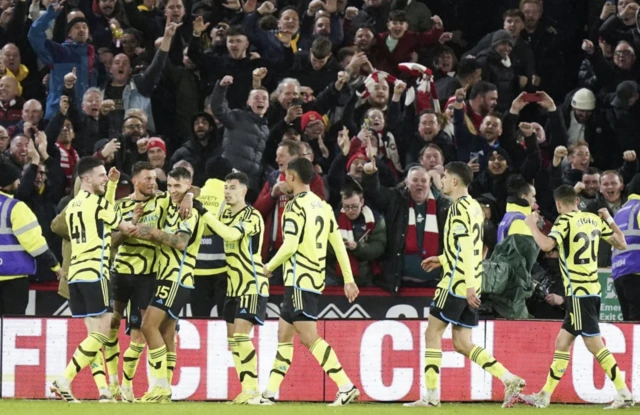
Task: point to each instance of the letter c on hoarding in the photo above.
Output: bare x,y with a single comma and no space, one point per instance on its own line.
371,362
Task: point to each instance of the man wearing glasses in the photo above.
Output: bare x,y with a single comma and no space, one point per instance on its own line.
364,233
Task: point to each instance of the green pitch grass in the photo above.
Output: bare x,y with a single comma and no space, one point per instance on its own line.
19,407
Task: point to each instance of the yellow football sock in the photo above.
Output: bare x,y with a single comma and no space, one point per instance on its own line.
85,354
432,362
557,369
112,354
329,362
248,362
281,365
610,367
97,370
130,362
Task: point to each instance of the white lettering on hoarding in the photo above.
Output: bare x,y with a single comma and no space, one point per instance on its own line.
481,380
12,357
371,360
583,366
219,360
635,358
189,379
56,351
267,349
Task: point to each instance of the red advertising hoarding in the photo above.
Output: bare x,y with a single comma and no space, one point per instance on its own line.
384,358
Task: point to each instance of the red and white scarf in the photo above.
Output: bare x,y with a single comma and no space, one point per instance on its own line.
346,230
68,160
430,240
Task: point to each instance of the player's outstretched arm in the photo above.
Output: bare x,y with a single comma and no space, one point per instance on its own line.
227,233
544,242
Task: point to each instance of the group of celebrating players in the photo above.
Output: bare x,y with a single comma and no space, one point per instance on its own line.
158,236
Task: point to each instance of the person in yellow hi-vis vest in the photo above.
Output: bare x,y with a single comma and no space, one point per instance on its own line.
21,242
211,266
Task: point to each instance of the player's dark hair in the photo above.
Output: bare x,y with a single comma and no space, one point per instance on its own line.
482,88
461,170
88,163
141,166
180,173
565,195
303,168
239,176
517,186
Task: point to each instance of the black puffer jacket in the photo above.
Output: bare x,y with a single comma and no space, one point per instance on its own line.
196,153
504,78
394,204
245,137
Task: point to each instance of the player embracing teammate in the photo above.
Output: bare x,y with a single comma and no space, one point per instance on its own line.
174,228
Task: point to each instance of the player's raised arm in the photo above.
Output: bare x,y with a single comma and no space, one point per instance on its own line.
112,186
544,242
617,239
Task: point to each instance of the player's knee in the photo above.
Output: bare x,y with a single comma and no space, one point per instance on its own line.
461,345
307,339
146,327
593,344
101,324
137,337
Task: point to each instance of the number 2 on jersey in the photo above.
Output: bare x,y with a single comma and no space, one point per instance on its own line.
587,243
320,224
77,228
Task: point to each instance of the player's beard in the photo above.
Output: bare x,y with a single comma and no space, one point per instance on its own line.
99,189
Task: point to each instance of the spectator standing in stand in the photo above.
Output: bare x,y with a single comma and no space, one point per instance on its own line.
22,243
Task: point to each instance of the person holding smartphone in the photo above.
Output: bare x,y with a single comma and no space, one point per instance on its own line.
364,233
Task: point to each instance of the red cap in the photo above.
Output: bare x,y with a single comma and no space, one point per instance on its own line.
157,142
358,155
308,117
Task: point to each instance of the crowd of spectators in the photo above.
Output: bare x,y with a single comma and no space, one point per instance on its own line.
379,95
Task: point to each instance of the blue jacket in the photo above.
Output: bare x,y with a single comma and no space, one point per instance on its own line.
61,59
